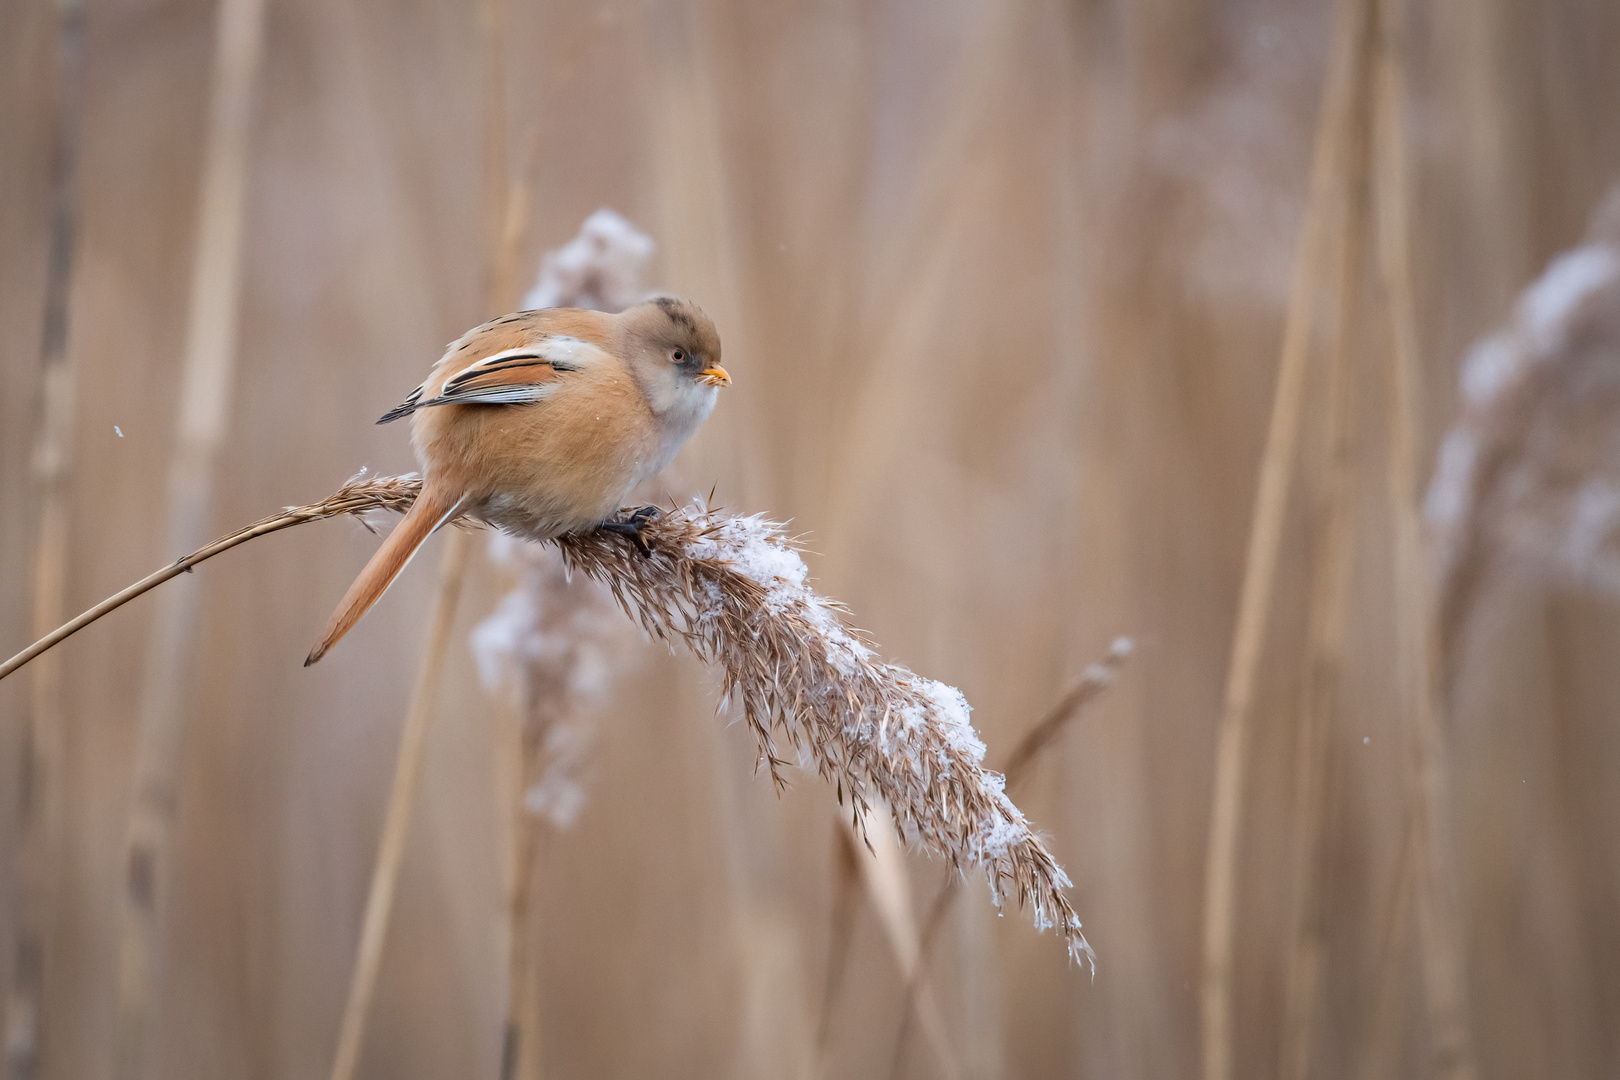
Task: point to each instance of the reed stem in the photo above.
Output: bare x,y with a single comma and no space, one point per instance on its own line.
41,814
1439,922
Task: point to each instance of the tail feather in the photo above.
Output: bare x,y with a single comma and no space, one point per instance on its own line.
432,509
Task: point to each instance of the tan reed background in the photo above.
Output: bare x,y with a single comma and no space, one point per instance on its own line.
1003,286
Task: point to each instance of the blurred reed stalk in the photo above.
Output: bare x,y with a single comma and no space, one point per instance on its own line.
205,384
40,812
504,208
1445,975
1332,571
879,865
1333,142
1097,677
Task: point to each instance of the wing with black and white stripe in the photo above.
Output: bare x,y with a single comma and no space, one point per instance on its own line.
519,376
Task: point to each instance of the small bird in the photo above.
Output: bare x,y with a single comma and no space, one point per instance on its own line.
541,423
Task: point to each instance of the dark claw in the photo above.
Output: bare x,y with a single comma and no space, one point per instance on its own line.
633,527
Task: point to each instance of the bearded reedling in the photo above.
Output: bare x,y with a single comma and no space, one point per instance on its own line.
541,423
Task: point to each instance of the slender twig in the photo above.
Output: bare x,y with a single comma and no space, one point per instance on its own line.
357,498
401,799
1444,967
40,820
1093,681
1265,542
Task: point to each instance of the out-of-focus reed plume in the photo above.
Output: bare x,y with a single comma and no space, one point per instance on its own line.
1530,471
601,268
551,640
552,644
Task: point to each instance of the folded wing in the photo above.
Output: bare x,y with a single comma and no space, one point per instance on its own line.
514,377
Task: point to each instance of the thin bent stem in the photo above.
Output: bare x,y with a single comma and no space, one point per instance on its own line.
356,498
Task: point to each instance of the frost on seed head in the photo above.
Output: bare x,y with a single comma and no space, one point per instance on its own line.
734,590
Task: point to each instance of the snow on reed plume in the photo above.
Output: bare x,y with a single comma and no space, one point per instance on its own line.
1532,466
733,589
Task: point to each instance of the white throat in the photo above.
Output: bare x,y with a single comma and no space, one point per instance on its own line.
679,407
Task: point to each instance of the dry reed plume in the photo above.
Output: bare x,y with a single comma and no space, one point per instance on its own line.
733,589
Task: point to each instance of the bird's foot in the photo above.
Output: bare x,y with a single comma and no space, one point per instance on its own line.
632,527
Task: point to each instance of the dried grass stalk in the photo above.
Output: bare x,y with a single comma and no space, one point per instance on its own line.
40,816
1445,970
880,862
733,590
357,498
504,210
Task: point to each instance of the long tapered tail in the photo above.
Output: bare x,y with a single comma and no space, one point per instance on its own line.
432,509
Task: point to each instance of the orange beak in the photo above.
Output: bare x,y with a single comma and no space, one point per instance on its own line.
714,376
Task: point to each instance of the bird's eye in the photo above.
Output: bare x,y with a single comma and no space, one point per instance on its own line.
678,355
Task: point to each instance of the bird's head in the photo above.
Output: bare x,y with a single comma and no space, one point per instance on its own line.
674,350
